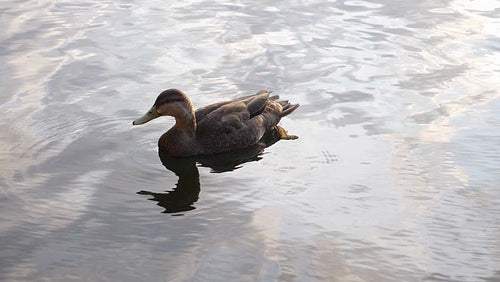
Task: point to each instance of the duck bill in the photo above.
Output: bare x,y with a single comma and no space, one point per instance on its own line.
149,115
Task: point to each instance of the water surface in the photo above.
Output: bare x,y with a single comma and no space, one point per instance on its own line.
395,176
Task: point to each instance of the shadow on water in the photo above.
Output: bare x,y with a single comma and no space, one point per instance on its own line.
187,190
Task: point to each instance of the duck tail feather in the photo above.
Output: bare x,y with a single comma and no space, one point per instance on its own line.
288,109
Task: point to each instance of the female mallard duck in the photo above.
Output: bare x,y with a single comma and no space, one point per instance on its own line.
216,128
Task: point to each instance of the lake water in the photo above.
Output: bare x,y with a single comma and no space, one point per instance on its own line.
395,176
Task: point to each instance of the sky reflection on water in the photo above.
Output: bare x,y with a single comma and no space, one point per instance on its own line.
395,175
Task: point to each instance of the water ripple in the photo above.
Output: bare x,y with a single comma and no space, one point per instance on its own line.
393,177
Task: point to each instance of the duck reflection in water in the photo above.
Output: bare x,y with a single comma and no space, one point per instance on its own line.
187,190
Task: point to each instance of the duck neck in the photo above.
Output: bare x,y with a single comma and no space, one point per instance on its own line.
186,122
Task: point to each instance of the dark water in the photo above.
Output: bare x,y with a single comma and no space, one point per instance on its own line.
395,176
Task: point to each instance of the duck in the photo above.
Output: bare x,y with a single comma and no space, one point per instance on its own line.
217,128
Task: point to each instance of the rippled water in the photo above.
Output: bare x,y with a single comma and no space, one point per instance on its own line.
395,176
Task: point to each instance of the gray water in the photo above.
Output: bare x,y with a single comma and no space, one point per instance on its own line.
395,176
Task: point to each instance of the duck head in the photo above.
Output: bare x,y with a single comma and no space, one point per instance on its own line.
170,102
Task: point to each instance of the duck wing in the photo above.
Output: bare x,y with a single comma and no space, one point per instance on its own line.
237,124
202,112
